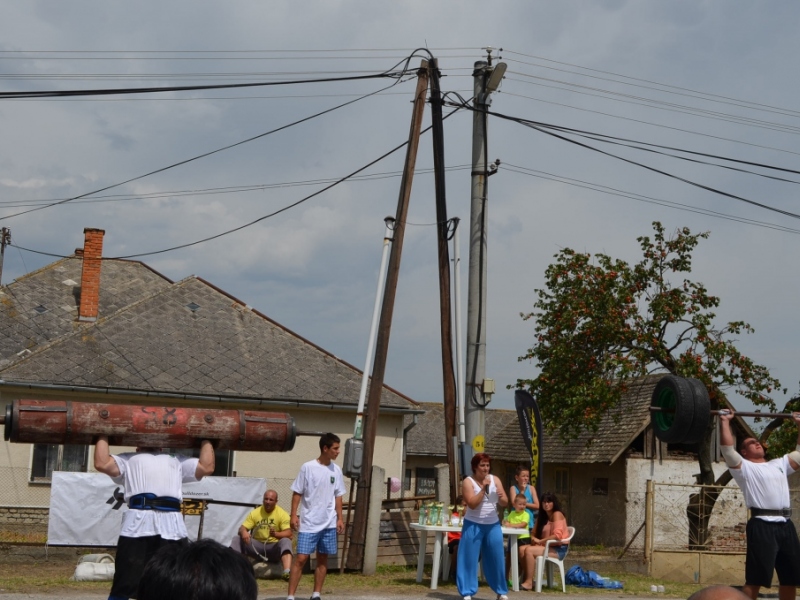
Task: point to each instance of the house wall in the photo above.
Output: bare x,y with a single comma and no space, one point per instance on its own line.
594,501
674,478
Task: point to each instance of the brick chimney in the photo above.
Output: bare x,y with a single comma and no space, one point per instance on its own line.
90,276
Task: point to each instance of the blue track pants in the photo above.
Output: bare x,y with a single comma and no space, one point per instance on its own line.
486,542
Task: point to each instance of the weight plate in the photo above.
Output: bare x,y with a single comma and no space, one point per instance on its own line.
701,418
674,396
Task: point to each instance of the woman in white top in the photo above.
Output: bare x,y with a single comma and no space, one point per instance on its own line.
481,535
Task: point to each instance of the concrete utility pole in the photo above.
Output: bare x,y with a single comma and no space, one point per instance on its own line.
355,557
478,389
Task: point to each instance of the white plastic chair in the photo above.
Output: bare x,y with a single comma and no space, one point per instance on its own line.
551,561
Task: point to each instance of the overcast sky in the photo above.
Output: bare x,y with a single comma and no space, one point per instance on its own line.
705,76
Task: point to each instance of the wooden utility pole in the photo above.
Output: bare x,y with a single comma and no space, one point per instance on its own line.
5,239
445,318
355,557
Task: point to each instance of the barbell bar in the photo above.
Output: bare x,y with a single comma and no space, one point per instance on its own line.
736,413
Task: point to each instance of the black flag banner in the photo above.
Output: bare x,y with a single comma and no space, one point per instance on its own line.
530,423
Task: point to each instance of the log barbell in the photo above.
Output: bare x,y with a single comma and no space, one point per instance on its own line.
67,422
680,410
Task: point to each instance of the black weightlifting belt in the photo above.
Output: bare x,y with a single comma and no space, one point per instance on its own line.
771,512
153,502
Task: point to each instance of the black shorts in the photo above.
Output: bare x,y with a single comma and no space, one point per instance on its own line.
772,546
523,542
132,556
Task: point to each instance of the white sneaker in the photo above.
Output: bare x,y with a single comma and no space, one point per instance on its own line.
466,598
502,597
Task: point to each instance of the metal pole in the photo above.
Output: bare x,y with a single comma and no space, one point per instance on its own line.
459,353
376,311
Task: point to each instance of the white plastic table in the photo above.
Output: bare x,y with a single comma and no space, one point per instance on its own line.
441,555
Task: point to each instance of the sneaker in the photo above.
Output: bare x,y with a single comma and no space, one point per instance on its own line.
467,598
285,575
502,597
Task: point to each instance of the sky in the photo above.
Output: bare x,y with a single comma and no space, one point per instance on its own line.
694,75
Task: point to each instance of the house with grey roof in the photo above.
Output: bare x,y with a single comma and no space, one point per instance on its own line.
600,478
90,329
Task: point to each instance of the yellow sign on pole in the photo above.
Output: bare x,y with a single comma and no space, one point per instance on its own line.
193,507
478,443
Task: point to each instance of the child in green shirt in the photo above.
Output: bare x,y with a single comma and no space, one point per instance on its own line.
520,519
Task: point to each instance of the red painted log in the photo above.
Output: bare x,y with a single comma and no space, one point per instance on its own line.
65,422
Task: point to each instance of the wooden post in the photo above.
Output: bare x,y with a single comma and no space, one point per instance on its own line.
445,319
355,557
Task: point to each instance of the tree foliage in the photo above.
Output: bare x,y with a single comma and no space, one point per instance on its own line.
600,322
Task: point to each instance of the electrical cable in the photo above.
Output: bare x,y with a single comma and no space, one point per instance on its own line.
270,215
225,190
204,155
664,106
713,97
643,198
186,88
605,114
544,128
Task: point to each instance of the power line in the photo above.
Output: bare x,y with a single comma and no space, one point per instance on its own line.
643,198
188,160
258,220
689,131
662,105
225,190
546,129
685,93
713,97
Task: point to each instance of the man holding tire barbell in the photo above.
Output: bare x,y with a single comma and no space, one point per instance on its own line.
772,542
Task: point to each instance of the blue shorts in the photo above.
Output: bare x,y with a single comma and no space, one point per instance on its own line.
323,542
561,551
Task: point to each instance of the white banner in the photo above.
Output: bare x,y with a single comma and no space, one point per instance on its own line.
86,508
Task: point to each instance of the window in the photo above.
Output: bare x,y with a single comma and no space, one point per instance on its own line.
407,481
53,457
426,481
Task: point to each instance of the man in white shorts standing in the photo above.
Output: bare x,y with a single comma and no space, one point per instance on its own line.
772,542
318,492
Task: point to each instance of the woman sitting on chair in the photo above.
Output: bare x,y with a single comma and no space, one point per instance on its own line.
551,524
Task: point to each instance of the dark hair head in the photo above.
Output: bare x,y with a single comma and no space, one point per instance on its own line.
327,440
478,459
521,468
541,516
203,570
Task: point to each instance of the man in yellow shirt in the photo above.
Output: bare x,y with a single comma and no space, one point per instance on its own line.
267,534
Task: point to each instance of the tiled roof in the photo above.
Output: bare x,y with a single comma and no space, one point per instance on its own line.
186,337
504,439
604,446
42,306
428,437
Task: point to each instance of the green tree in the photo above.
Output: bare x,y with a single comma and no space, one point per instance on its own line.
601,322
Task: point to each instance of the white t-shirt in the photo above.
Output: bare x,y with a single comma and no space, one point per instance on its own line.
764,485
486,512
159,474
319,485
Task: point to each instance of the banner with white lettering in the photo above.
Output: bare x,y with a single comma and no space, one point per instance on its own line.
86,508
